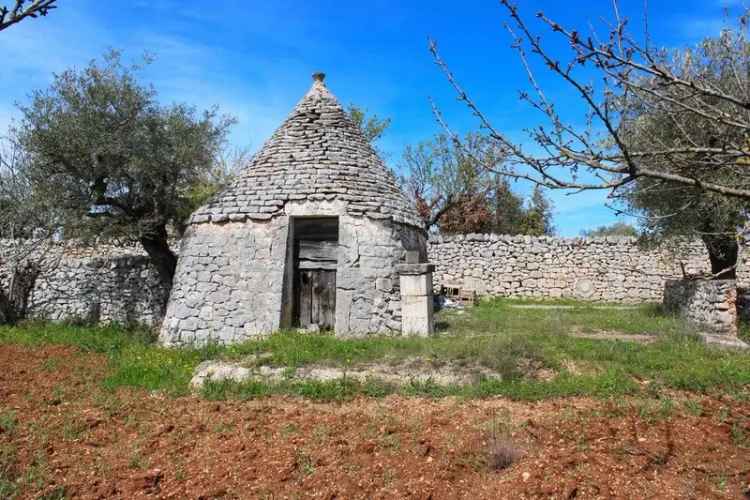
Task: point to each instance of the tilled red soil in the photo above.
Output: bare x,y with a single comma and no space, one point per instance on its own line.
133,444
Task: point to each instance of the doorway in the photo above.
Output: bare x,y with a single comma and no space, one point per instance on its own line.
315,259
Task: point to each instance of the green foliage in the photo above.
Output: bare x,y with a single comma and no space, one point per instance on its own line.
9,471
455,189
616,229
154,368
115,162
537,220
657,124
57,493
513,341
8,422
372,127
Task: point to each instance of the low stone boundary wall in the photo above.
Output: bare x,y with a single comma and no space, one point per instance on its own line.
97,284
610,269
119,284
710,304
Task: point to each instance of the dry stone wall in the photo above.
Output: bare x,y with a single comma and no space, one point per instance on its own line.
99,284
612,269
710,304
119,284
229,284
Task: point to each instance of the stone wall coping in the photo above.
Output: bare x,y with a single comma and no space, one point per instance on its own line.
491,237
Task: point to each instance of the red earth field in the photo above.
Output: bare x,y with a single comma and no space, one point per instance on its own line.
70,435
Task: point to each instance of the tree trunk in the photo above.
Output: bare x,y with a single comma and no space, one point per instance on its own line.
722,251
14,303
156,246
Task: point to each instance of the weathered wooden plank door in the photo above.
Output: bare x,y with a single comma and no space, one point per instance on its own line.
316,255
317,298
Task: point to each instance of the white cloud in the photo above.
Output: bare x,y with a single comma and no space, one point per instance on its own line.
184,70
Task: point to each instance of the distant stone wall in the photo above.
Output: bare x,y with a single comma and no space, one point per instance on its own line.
119,284
710,304
612,269
98,284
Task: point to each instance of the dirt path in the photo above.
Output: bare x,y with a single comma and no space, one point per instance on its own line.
70,433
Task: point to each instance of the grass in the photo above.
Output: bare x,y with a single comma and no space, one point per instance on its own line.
494,335
8,422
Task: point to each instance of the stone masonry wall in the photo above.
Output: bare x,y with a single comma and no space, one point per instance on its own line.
612,269
119,284
101,284
228,282
743,304
712,305
233,279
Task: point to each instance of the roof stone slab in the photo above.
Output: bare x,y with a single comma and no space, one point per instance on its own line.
318,154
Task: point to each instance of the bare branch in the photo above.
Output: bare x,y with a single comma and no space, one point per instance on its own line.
24,9
633,76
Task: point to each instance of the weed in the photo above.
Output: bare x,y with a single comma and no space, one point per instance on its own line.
739,435
37,472
109,402
498,425
502,454
721,482
8,422
8,489
492,335
321,433
57,493
9,471
40,433
724,414
391,442
289,429
137,461
57,397
388,476
73,429
502,451
224,427
693,407
50,364
304,462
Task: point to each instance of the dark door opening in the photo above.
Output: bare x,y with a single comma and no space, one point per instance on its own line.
315,258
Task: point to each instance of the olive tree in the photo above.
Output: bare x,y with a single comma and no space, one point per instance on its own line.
114,162
669,208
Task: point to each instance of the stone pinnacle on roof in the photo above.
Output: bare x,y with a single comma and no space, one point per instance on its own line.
317,154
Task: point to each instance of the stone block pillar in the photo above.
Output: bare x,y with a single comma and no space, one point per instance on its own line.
416,297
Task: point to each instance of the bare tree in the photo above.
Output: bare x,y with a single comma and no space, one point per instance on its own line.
25,226
24,9
448,183
629,69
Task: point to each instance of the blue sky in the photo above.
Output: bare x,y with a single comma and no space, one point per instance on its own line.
254,60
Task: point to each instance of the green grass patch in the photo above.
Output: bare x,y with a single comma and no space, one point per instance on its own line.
493,335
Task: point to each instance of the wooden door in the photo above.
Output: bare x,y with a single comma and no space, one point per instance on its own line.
317,298
315,269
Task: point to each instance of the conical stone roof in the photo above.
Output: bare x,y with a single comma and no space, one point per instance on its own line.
318,154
